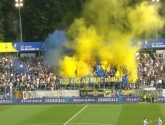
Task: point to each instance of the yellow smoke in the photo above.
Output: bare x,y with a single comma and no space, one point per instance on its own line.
104,33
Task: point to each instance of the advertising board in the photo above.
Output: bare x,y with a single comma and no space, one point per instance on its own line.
29,46
7,47
161,99
70,100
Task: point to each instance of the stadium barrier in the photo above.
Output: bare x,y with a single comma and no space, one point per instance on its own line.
70,100
50,94
74,93
88,96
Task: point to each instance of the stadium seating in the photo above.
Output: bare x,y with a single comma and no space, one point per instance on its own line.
30,73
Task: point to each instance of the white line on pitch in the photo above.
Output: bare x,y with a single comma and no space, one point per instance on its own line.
48,124
70,123
75,115
89,124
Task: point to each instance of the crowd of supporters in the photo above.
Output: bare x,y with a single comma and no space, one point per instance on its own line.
27,73
151,69
33,73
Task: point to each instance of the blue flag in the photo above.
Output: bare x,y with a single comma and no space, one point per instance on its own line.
100,71
124,80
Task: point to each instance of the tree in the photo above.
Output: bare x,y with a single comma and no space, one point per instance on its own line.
43,17
39,18
1,21
11,23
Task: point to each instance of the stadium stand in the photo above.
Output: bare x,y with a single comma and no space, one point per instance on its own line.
29,73
150,69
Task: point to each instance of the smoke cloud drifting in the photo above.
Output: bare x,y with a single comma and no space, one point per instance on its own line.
54,46
104,33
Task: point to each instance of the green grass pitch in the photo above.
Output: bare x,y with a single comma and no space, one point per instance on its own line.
81,114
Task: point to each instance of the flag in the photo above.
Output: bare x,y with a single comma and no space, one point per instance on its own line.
100,71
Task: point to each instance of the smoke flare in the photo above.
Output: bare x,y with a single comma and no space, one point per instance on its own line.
104,33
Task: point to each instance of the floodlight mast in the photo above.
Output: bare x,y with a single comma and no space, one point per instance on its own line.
19,4
155,1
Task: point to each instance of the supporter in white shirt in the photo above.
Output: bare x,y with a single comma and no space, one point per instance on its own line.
145,122
160,81
159,121
11,74
152,83
145,69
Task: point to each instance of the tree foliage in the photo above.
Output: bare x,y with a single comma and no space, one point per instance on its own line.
1,21
42,17
39,18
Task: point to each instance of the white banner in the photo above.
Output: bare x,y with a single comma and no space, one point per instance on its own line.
163,92
50,94
161,52
27,95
